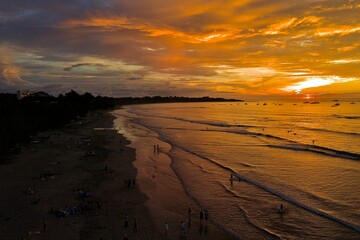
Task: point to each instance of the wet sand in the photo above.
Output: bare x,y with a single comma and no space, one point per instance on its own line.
70,184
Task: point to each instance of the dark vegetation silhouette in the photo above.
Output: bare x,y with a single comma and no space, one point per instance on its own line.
21,119
159,99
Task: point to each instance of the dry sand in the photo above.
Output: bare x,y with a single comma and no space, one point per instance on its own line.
48,173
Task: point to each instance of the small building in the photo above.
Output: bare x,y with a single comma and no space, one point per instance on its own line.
22,94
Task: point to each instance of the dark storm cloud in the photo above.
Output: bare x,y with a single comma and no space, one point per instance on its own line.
99,65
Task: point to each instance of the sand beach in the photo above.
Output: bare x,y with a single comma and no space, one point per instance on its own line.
79,182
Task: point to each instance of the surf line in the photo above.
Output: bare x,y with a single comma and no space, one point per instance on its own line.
259,185
303,206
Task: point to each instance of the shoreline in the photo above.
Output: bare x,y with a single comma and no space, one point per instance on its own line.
167,201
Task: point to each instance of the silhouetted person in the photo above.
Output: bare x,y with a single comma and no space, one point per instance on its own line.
206,217
201,216
44,225
189,212
135,226
166,228
281,209
182,229
126,223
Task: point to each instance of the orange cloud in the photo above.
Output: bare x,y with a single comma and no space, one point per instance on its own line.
113,24
338,30
311,82
284,26
247,46
348,48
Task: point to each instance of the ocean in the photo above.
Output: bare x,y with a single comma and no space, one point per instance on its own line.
302,155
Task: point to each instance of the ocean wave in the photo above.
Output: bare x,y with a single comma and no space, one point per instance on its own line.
200,167
211,123
217,223
200,204
246,214
346,117
293,145
276,192
330,131
251,222
245,131
317,149
299,204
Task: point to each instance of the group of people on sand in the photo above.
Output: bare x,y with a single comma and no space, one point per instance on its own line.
231,179
128,183
126,225
204,216
156,148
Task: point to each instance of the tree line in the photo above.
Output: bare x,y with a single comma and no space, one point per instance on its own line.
170,99
20,119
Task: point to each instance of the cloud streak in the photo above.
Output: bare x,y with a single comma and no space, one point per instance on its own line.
72,67
10,78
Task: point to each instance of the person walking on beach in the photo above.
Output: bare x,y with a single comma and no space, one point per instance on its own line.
201,216
135,226
206,217
44,225
126,223
166,228
189,212
281,209
182,229
200,229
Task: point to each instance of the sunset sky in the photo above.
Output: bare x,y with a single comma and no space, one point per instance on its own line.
189,47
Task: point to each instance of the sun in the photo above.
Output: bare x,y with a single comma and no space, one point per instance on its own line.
311,82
